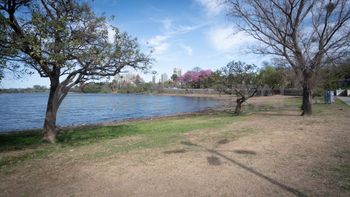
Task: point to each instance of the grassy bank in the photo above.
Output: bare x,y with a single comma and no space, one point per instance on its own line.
153,133
20,147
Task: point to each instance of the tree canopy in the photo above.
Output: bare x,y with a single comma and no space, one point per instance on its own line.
66,42
240,79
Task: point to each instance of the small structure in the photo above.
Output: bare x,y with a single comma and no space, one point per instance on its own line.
341,92
329,97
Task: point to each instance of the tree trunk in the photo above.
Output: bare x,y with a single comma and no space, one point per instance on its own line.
49,130
306,106
239,102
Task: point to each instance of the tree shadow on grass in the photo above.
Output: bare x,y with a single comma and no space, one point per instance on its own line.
68,137
83,136
176,151
19,140
277,114
223,141
214,159
245,152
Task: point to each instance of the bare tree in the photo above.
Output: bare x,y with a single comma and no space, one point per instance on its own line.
240,79
65,42
303,32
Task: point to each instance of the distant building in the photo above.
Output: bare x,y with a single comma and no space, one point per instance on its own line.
177,71
154,79
128,79
163,78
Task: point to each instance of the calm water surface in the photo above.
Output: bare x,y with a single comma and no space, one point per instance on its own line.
27,110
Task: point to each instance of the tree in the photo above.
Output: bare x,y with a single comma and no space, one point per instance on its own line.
1,72
195,78
272,76
216,82
335,76
241,80
174,77
304,32
65,42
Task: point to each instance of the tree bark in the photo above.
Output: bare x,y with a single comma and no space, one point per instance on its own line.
49,130
306,106
239,103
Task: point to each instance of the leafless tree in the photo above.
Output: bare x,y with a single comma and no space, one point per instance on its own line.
304,32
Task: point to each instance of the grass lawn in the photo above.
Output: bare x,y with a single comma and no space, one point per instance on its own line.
258,137
154,133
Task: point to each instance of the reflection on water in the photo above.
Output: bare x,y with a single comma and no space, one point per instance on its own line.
26,111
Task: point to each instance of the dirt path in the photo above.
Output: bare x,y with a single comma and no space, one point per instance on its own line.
285,155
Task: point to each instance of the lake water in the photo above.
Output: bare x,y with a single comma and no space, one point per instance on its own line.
27,110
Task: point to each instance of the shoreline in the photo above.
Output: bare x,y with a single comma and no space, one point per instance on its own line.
116,122
209,110
224,102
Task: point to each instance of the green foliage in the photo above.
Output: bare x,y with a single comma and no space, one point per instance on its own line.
239,73
272,77
335,76
66,42
108,88
96,88
35,88
240,79
174,77
141,88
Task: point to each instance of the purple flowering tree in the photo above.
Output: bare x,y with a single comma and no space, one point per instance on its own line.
195,78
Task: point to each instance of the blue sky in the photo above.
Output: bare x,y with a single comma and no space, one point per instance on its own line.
183,33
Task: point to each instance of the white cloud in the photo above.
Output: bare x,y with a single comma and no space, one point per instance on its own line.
187,48
172,29
224,39
212,7
167,24
159,44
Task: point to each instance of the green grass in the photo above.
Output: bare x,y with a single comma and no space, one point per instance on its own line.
148,134
325,109
343,173
154,133
290,103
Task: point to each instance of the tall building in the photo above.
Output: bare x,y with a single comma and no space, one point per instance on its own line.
154,79
177,71
163,78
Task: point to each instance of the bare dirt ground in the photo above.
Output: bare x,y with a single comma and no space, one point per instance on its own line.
283,155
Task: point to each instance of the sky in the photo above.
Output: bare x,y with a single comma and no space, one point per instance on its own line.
182,33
